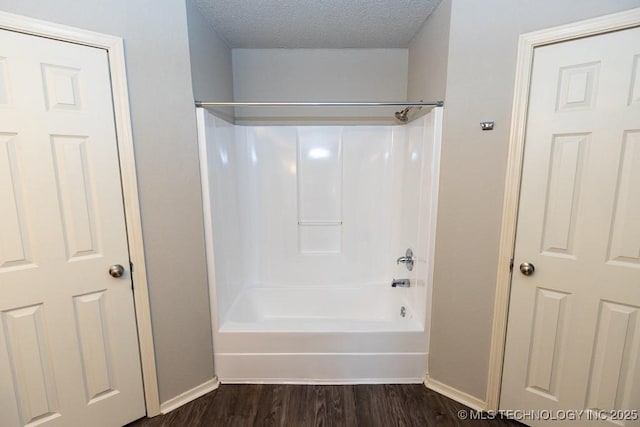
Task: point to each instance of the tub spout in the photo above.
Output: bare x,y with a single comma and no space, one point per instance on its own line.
400,283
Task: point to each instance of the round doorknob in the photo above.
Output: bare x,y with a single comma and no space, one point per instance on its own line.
527,268
116,270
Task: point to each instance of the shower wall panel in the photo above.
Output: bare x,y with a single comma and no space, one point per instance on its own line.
320,206
319,172
347,202
414,220
225,178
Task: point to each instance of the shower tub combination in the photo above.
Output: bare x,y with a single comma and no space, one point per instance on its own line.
304,226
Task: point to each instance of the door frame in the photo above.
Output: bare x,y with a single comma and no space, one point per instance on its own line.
114,47
526,45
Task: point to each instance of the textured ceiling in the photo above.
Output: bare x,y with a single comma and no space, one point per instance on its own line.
317,23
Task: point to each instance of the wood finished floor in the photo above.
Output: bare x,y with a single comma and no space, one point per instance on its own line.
315,405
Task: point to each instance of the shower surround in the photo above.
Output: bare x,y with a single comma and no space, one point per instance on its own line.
304,225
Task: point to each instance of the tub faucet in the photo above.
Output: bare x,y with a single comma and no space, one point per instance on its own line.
400,283
407,259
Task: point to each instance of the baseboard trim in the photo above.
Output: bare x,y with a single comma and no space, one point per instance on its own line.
189,395
455,394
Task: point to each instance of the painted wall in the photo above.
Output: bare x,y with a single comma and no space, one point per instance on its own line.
479,86
318,75
428,57
164,131
211,66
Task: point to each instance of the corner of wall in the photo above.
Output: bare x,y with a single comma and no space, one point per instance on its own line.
210,59
429,56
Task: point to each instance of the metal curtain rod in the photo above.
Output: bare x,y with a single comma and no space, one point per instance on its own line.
319,104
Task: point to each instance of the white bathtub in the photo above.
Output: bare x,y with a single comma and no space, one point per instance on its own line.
321,335
327,309
347,328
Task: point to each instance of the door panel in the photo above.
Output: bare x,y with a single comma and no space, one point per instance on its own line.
565,175
68,341
612,360
625,227
547,342
31,363
573,329
15,245
95,349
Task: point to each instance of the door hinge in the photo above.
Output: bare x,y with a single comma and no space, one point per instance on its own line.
130,266
511,264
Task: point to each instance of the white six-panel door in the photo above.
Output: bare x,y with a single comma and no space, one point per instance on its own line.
68,342
573,336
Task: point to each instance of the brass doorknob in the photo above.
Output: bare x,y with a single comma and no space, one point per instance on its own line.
116,270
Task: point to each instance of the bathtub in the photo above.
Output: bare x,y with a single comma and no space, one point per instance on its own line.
326,309
299,301
332,335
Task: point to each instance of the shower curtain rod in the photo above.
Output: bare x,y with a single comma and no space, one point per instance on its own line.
319,104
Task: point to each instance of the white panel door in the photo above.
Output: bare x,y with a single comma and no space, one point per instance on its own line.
68,341
573,337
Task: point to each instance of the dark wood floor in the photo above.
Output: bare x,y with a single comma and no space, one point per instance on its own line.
314,405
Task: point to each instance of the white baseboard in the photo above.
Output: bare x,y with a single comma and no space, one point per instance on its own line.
455,394
189,395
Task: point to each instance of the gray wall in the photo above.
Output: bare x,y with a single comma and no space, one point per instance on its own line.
479,86
211,66
162,112
318,75
428,57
